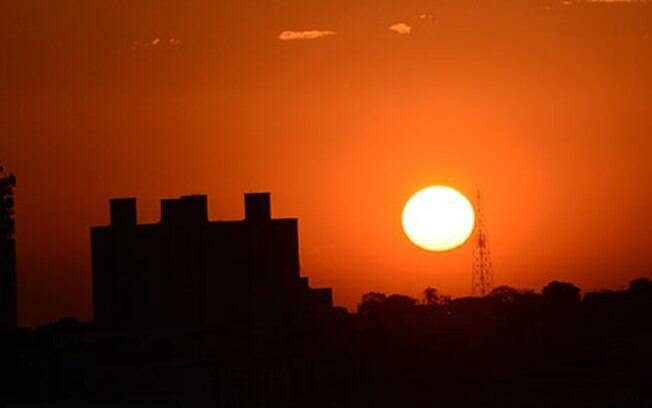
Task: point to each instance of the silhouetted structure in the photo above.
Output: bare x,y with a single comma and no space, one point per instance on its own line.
8,298
187,271
482,276
190,312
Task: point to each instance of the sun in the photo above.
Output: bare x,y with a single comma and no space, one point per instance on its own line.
438,218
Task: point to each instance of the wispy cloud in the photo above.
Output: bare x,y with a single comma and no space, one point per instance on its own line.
616,1
304,35
146,44
156,42
401,28
426,16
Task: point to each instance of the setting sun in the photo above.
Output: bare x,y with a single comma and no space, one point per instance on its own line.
438,218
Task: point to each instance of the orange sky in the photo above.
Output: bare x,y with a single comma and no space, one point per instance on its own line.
546,106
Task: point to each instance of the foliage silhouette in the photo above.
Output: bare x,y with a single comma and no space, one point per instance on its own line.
561,292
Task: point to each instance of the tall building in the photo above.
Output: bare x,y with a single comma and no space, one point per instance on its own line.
8,298
189,272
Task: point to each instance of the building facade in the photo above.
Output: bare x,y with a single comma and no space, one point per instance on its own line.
189,272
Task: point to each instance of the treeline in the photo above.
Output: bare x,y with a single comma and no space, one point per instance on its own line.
554,293
510,348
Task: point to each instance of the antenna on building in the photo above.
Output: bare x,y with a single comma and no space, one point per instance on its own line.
482,278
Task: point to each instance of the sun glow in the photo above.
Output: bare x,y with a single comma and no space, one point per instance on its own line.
438,218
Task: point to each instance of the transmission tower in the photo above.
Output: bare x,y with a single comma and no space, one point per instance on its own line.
482,278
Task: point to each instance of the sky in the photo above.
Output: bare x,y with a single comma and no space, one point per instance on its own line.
342,110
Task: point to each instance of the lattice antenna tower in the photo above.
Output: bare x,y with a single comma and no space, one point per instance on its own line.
482,277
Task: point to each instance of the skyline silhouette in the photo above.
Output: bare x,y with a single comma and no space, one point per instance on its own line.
192,312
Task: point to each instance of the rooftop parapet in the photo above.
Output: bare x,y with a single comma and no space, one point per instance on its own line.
123,211
257,207
187,209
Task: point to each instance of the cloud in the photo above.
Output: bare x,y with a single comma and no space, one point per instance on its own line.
156,42
146,44
401,28
304,35
616,1
426,16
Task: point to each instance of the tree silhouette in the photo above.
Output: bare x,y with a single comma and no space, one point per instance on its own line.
431,297
371,303
400,303
504,294
641,286
561,293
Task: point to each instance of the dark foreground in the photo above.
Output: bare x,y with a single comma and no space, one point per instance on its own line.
511,348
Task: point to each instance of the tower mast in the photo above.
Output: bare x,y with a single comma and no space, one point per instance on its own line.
482,273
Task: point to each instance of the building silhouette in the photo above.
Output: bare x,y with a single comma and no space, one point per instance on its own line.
189,272
8,298
192,312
